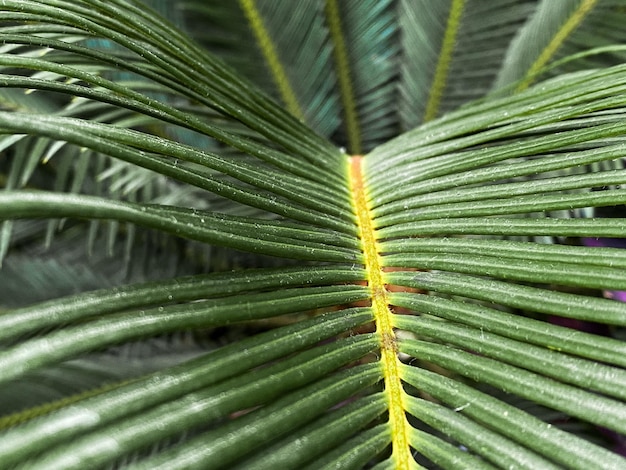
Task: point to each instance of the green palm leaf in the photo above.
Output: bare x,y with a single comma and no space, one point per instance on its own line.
399,310
559,29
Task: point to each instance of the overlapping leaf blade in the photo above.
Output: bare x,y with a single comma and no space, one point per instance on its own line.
283,177
441,198
455,242
559,29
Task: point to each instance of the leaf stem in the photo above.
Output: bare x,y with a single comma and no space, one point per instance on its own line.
268,49
343,75
445,57
383,319
559,38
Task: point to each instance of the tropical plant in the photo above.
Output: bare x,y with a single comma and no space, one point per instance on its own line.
321,234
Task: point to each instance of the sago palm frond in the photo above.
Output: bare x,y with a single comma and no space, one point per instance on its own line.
395,307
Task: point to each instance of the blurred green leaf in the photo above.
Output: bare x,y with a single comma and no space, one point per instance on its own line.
197,274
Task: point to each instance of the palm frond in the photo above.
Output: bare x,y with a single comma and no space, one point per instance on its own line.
299,73
306,76
400,324
484,35
452,52
560,29
53,388
367,70
423,26
196,376
109,59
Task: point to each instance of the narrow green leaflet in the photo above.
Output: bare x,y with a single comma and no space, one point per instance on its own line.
512,422
186,289
248,433
286,280
336,425
168,384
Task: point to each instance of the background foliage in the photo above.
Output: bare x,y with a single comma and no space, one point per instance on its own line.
197,274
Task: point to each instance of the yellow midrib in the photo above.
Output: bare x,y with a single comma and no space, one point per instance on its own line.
445,58
401,453
557,41
353,131
270,54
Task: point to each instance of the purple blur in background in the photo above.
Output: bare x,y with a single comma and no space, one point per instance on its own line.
619,440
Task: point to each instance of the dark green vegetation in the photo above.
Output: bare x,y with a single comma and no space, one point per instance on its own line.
196,275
